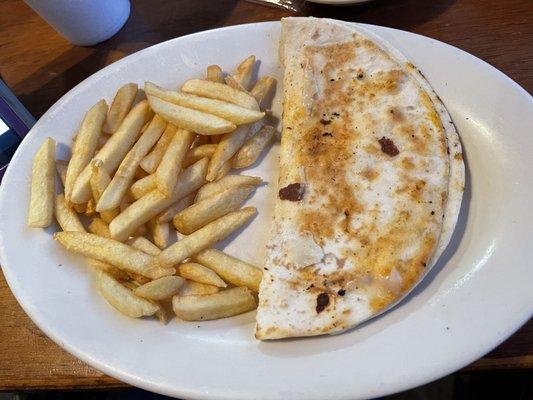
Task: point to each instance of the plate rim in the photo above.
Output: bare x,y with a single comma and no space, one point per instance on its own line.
138,381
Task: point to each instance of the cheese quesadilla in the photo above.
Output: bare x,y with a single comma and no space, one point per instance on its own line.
370,186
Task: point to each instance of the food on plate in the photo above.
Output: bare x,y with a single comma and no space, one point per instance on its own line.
223,304
204,237
120,107
198,273
85,144
370,185
141,165
201,213
253,147
231,269
41,211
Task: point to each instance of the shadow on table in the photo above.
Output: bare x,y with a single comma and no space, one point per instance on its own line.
400,14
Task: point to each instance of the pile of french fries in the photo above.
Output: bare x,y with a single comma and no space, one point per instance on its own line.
152,162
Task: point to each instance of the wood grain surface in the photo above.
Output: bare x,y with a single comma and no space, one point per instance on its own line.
40,66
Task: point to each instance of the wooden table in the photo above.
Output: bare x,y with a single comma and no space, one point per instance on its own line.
40,66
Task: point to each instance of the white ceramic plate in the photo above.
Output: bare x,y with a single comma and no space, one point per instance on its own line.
474,298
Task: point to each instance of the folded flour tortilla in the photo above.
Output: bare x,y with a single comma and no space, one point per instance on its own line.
370,187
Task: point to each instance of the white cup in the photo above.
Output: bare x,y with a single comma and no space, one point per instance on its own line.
83,22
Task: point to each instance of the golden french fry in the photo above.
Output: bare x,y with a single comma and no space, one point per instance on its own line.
41,211
175,208
160,232
102,140
122,298
244,73
166,174
190,119
198,273
143,186
153,203
234,83
152,160
143,244
66,217
98,182
196,153
227,182
85,145
112,252
90,209
231,269
229,111
219,91
214,73
120,107
224,304
80,208
253,147
115,272
204,237
138,279
99,227
165,313
118,186
208,210
224,170
61,168
228,146
191,288
160,289
262,89
113,151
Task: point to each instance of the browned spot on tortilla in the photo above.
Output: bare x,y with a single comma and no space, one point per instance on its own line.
407,163
292,192
458,156
395,115
369,174
322,301
388,147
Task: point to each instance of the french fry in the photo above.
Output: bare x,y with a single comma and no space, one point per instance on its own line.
115,272
253,147
210,209
190,119
141,230
234,83
191,288
139,279
113,151
175,208
219,91
203,237
120,107
122,298
98,182
112,252
61,168
160,289
244,72
140,173
80,208
143,186
197,153
41,210
115,191
229,111
160,233
224,304
153,203
66,217
90,209
152,160
228,146
99,227
166,174
231,269
224,170
102,140
165,313
85,145
261,90
214,73
143,244
227,182
198,273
